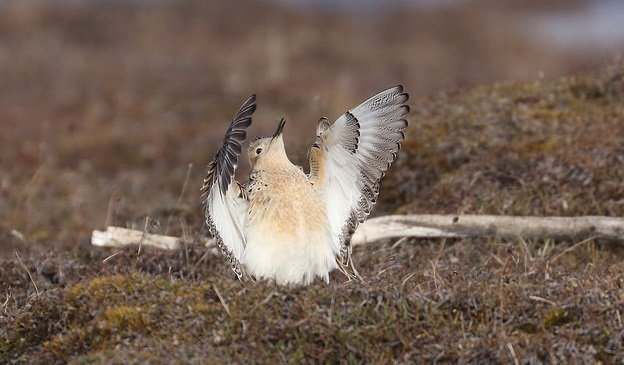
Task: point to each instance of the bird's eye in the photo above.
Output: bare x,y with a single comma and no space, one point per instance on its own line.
258,150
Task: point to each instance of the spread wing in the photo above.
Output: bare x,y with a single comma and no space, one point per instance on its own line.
225,207
349,158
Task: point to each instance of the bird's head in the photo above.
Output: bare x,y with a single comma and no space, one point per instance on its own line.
267,148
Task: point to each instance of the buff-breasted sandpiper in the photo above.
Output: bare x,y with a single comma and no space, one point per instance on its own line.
289,226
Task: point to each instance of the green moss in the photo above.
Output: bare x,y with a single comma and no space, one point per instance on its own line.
557,317
124,318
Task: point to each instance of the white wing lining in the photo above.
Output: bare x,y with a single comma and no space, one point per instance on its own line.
357,150
225,207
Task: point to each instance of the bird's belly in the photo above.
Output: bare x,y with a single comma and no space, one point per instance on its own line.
289,242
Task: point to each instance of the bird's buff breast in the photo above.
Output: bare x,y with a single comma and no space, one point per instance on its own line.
288,237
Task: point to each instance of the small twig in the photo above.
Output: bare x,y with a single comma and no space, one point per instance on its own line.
513,353
175,206
399,242
571,248
406,279
388,268
264,301
500,262
527,252
442,246
185,238
8,297
543,300
544,249
109,210
147,219
225,306
379,302
111,256
202,258
435,275
27,271
416,293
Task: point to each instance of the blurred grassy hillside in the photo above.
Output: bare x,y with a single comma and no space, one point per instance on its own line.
539,148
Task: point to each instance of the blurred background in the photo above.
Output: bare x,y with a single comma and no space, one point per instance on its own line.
104,105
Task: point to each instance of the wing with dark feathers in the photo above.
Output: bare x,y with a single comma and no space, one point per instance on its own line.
225,207
349,158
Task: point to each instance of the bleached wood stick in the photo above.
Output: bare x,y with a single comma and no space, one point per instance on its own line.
119,237
426,225
432,225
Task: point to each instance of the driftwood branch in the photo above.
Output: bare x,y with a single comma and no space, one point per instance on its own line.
427,225
432,225
118,237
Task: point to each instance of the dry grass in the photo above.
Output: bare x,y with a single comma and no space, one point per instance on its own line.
102,112
466,301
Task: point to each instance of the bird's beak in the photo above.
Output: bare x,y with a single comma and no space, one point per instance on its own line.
280,129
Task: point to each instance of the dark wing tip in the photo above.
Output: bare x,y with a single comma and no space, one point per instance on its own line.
247,109
280,128
222,168
250,100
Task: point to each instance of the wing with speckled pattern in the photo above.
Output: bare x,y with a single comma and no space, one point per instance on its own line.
349,158
225,207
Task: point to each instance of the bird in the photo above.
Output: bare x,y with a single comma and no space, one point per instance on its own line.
292,227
